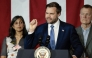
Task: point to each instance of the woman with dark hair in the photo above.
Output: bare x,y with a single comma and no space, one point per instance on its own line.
15,40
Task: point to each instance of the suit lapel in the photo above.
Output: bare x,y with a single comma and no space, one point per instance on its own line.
45,33
89,36
60,35
81,35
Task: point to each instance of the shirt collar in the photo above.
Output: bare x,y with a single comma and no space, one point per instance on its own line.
86,29
55,24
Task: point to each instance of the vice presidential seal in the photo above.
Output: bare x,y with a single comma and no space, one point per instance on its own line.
42,52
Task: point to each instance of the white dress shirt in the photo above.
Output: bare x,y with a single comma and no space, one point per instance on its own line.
85,34
56,30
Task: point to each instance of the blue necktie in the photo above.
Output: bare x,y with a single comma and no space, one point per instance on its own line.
52,39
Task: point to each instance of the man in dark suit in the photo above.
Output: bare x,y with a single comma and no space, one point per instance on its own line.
85,30
64,35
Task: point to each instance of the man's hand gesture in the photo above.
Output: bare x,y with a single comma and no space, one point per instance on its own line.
33,25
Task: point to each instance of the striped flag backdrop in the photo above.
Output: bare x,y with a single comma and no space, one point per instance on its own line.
31,9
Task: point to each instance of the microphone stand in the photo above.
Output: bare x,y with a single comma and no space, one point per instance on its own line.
47,41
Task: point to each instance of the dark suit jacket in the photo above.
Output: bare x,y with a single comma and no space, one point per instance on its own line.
88,48
67,36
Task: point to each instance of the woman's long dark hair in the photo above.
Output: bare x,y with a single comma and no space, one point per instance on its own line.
12,31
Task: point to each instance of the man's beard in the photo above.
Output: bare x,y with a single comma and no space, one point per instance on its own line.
52,22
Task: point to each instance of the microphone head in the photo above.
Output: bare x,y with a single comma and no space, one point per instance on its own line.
40,40
47,40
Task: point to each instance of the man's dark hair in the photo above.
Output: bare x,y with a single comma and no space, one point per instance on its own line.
86,6
55,4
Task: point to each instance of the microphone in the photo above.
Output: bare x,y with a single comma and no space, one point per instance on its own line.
40,40
47,41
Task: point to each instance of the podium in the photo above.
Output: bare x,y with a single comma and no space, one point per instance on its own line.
29,53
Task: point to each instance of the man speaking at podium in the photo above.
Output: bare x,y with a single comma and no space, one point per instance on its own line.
62,35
